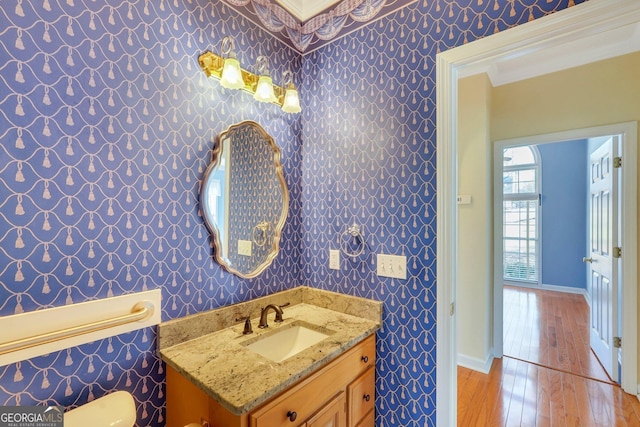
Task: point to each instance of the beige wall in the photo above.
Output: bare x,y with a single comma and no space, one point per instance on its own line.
601,93
597,94
475,232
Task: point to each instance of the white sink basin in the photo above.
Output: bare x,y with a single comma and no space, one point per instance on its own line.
287,341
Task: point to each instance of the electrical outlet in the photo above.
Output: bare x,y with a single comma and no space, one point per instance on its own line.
334,259
244,247
391,266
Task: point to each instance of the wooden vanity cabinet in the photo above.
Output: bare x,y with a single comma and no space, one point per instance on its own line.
333,396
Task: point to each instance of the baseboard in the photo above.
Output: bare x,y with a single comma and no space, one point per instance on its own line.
476,364
568,289
556,288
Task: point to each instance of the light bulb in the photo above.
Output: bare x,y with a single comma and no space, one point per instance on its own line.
231,77
264,90
291,102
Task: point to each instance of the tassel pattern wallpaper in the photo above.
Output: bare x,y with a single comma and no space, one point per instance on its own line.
106,126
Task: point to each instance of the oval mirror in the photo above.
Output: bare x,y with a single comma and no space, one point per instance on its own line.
244,199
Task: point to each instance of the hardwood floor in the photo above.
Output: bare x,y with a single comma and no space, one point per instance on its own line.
550,329
544,328
519,393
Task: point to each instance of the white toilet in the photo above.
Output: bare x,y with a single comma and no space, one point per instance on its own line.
113,410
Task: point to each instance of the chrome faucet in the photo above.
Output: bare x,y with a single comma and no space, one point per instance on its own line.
265,311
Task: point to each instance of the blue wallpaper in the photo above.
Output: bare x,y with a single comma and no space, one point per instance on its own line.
564,173
106,123
369,157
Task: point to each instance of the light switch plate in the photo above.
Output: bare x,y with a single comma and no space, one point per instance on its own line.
334,259
464,199
244,247
391,266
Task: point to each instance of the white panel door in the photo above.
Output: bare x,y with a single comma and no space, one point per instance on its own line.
602,272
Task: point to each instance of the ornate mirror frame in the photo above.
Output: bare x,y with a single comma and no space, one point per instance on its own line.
259,234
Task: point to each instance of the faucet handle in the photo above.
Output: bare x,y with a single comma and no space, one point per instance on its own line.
247,325
279,313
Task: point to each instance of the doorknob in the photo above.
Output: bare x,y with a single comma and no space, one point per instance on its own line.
585,259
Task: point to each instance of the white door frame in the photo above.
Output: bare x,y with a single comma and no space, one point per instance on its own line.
593,19
628,223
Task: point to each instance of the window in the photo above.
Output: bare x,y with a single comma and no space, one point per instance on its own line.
521,212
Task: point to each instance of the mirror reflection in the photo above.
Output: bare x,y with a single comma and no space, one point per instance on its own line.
244,199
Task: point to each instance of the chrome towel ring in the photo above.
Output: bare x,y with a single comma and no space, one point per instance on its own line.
354,231
260,233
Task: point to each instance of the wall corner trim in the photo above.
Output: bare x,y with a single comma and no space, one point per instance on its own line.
476,364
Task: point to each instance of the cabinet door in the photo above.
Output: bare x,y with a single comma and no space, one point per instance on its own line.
362,396
368,420
333,414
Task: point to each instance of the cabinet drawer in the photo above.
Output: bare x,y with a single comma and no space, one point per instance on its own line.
306,397
360,358
362,396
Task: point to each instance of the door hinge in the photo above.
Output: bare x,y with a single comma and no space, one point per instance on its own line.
617,252
452,308
617,162
617,342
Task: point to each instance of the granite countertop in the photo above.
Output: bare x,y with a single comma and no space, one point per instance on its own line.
220,364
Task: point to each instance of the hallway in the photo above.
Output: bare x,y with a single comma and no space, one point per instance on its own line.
518,393
549,375
550,329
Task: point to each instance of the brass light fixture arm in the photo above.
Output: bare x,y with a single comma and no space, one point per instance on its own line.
212,63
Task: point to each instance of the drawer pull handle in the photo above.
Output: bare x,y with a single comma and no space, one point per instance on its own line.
292,415
365,359
366,397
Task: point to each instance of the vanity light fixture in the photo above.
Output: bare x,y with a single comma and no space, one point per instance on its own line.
227,70
264,89
231,76
291,103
